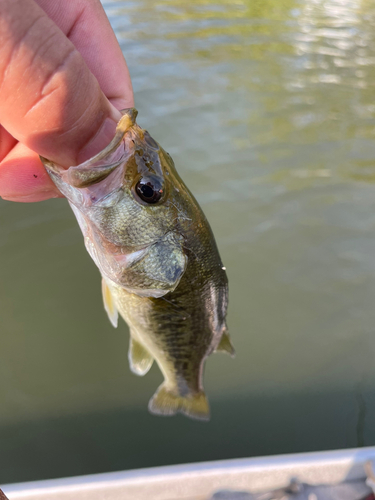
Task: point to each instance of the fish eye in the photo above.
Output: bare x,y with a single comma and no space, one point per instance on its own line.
149,189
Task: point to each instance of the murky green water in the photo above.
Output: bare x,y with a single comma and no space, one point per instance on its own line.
268,108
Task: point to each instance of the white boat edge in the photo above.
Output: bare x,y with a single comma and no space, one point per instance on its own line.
200,480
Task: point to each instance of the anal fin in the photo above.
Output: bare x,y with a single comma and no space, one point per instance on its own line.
165,402
140,360
109,304
225,345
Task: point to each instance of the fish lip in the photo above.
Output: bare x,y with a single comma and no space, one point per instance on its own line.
131,112
129,138
126,123
49,165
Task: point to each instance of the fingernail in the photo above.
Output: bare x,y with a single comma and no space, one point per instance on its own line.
115,113
103,137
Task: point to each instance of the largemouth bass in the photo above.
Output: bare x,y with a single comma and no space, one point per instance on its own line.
161,270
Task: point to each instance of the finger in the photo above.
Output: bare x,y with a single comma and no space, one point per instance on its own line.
7,142
49,99
2,496
23,177
87,26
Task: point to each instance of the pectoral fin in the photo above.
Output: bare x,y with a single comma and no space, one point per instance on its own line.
109,304
140,360
166,402
225,345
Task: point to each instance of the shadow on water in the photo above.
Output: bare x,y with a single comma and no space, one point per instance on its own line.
131,438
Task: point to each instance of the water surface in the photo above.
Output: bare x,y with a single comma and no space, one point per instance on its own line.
268,108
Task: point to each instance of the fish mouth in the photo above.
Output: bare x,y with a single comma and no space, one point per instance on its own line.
126,122
104,173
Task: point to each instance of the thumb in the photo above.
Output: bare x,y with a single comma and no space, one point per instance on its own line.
49,100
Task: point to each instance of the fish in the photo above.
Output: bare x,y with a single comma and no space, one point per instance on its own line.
160,265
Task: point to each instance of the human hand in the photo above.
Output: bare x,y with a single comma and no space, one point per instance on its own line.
63,79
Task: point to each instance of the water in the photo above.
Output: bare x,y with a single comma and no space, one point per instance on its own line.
268,108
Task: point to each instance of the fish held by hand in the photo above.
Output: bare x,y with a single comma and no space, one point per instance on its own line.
161,270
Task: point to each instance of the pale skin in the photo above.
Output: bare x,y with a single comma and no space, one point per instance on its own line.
63,80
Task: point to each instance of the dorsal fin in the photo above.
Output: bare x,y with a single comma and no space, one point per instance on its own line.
225,345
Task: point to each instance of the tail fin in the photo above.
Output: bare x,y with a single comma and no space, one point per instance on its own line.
165,402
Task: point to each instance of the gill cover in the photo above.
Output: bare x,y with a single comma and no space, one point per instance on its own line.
134,245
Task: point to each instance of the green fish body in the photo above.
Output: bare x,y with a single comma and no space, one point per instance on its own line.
161,270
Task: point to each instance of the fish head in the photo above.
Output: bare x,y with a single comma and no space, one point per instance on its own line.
124,199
